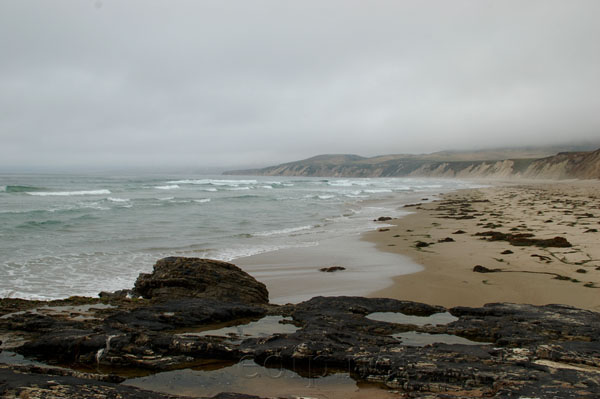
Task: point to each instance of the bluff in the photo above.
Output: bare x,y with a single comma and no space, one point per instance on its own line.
564,165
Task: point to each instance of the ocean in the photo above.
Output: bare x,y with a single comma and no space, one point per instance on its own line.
63,235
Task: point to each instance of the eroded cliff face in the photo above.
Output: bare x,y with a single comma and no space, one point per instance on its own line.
580,165
568,165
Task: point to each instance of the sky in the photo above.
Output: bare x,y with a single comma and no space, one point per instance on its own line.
226,83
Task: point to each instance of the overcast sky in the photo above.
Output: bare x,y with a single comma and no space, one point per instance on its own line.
248,82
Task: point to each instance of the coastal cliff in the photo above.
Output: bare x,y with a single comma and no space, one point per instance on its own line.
564,165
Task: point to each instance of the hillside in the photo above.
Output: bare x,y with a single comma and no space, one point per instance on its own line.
564,165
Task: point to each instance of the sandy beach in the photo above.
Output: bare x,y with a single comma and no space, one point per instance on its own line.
442,237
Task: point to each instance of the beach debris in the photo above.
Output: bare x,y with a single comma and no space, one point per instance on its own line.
384,229
382,219
524,239
422,244
581,271
542,257
591,231
506,252
459,232
412,205
483,269
447,239
332,269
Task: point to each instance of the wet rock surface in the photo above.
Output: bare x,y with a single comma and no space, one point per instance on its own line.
179,277
520,350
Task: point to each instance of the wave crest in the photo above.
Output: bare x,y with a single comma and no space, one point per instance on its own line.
68,193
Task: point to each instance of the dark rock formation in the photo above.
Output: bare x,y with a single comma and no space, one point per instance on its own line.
514,350
178,277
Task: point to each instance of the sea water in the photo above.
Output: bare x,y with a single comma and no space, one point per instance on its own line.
63,235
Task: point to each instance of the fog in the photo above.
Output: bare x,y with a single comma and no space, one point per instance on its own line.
249,83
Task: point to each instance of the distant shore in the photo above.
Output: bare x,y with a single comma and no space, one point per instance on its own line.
523,273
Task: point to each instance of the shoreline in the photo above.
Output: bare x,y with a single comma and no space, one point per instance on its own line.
367,269
527,274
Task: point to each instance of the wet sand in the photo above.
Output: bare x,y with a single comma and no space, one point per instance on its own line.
527,274
298,276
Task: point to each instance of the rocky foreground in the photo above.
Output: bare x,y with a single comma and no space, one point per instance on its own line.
510,350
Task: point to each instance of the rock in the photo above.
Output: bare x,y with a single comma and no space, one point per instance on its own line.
515,350
117,294
178,277
332,269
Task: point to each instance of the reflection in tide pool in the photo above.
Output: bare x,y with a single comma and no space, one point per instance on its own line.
253,379
414,338
264,327
401,318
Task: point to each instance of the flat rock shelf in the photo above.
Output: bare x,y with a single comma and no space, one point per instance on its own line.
123,343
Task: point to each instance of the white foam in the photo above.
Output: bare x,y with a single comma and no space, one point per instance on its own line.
169,187
349,183
214,182
376,191
238,188
68,193
325,197
203,200
118,199
3,189
283,231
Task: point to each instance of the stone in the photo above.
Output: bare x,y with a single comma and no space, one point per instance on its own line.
179,277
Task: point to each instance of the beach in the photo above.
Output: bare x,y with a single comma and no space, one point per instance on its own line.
449,248
407,296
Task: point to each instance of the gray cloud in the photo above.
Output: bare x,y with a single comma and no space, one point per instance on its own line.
249,82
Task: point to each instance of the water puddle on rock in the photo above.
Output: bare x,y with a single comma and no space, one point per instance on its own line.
9,357
262,328
73,312
414,338
252,379
436,319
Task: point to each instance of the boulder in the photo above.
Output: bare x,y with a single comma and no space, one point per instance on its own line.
179,277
